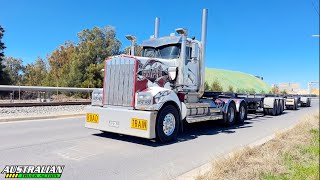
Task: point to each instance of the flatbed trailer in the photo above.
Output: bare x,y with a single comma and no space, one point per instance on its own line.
269,104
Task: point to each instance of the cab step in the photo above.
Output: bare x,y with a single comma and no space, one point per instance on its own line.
193,119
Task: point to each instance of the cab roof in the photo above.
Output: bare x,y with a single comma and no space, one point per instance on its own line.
157,42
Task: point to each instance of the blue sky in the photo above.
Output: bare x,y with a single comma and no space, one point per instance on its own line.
270,38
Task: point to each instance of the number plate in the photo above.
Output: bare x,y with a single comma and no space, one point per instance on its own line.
114,124
139,124
92,118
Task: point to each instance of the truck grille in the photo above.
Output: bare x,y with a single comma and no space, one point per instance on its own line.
119,81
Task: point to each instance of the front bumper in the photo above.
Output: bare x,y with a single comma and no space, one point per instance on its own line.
118,120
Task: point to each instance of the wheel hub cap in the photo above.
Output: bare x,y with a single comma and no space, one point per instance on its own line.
242,112
231,114
169,124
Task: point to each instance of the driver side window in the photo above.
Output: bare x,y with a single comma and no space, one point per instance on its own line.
188,51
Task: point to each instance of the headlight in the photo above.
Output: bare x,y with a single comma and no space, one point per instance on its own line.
144,99
96,97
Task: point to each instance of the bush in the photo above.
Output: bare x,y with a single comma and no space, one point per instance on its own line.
275,89
216,86
251,91
284,92
240,90
230,89
207,87
262,92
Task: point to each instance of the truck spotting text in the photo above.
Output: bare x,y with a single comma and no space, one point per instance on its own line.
151,95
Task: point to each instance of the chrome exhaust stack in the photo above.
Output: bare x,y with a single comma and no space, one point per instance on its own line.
132,39
203,51
156,27
182,69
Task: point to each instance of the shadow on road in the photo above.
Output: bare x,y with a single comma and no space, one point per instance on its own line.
193,131
190,131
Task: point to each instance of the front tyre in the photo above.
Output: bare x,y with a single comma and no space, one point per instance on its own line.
167,125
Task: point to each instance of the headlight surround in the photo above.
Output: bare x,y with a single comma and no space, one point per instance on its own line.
144,99
160,96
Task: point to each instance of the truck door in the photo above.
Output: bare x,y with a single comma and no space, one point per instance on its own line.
193,71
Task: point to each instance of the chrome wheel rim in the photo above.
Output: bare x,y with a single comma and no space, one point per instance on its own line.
242,112
169,124
231,115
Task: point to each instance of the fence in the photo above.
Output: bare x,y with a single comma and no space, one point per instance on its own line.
43,93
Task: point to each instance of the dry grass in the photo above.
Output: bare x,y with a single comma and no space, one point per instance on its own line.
290,155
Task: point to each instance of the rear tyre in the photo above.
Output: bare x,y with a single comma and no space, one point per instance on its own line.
295,106
242,114
229,118
278,107
265,111
273,111
281,106
309,103
167,125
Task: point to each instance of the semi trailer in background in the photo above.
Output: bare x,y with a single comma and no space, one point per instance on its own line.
151,95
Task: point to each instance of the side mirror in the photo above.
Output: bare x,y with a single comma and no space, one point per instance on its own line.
195,51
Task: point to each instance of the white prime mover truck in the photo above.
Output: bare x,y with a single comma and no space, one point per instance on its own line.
151,95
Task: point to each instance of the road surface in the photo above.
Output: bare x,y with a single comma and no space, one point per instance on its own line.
90,154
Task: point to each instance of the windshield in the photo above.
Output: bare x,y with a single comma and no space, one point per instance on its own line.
164,52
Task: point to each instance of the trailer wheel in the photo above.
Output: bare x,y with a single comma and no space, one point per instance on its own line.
273,111
278,107
229,118
265,111
309,103
167,125
295,106
242,114
281,106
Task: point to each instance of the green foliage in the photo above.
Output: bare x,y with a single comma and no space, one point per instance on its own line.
93,76
251,91
241,90
215,86
35,73
246,91
302,162
275,90
207,87
137,50
70,65
14,68
284,92
238,80
4,76
79,65
230,89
